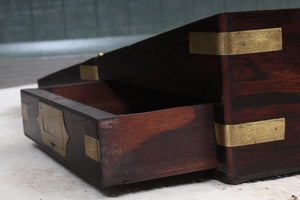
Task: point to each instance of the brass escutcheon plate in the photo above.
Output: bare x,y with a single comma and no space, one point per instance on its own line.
53,130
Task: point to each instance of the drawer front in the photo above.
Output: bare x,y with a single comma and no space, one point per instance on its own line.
69,136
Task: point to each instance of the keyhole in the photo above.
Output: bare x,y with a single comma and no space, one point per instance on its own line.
53,145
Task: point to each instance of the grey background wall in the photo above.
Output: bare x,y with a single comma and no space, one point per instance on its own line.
39,20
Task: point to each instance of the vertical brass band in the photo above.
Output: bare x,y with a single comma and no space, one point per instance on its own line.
250,133
92,148
236,43
89,72
24,111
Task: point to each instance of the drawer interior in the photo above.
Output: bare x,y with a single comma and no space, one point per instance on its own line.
119,98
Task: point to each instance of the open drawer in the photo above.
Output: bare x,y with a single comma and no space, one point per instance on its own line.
113,134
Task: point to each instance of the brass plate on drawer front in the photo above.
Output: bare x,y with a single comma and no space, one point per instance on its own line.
236,43
53,130
250,133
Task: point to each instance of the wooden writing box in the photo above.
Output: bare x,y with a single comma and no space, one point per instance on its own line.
245,64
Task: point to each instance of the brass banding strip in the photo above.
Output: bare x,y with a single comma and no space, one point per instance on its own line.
250,133
236,43
89,72
24,111
92,148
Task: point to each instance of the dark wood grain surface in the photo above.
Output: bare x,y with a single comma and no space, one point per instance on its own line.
264,86
164,63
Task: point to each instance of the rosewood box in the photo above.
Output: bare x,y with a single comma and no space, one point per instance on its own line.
222,93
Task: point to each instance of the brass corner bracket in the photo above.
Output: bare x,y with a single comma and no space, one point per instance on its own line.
88,72
92,148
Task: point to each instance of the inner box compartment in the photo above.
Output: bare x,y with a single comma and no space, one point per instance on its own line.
119,98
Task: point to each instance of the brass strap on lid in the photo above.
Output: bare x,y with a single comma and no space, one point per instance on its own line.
236,43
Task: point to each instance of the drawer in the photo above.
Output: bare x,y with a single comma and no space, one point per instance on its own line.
114,134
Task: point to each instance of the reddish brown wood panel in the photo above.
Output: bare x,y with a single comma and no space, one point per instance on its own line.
158,144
